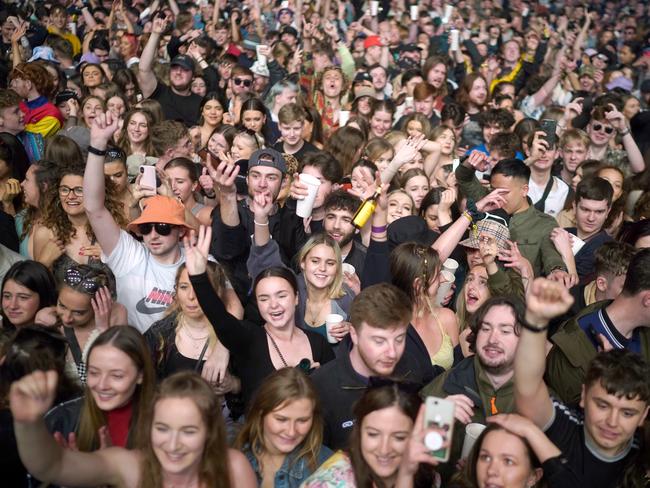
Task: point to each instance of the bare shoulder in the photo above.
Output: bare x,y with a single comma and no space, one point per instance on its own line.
241,470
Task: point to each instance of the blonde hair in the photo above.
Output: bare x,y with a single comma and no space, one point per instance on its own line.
336,288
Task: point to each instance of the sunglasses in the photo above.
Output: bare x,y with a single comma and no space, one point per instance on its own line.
599,127
64,191
75,278
114,154
242,81
161,229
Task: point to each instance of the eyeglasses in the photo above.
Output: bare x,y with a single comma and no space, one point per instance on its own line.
64,191
75,278
245,81
599,127
161,229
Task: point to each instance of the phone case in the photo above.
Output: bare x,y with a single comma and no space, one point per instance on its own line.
549,127
439,417
148,176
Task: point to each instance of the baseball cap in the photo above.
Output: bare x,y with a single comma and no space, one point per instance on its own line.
492,225
287,29
45,53
411,228
362,76
184,61
620,82
364,91
372,41
410,48
268,157
160,209
586,71
285,10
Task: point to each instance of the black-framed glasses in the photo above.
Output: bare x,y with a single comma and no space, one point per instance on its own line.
598,127
245,81
76,279
64,191
161,229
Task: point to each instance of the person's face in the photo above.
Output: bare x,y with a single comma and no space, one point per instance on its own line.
414,128
112,377
490,130
631,108
546,159
137,129
325,187
19,303
286,427
384,160
478,93
21,86
496,341
74,308
503,461
626,56
363,106
320,267
338,225
611,421
384,437
178,435
517,191
162,245
253,120
212,112
217,142
511,52
399,205
287,95
125,48
180,78
291,132
378,78
410,85
276,301
264,180
380,123
13,120
379,349
241,84
92,76
8,29
573,154
615,179
437,75
72,203
374,52
600,132
242,148
31,192
182,185
361,178
476,289
577,178
116,172
116,106
447,141
101,54
186,297
417,187
473,257
58,19
424,106
91,109
183,148
221,36
591,215
431,217
199,87
332,84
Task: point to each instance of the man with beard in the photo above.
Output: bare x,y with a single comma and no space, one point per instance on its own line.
177,100
482,385
340,208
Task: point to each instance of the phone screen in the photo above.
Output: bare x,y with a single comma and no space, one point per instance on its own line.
549,126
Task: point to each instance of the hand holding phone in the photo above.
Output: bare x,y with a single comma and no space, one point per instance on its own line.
439,425
148,176
549,126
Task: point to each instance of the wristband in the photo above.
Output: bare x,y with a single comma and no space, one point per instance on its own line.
624,132
266,224
378,230
210,196
95,151
533,328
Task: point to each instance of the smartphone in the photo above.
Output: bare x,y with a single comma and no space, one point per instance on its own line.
439,424
203,154
549,127
148,176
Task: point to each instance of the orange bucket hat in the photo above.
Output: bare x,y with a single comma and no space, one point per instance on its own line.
160,210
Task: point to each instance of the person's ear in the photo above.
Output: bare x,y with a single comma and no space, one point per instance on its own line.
354,336
601,283
535,476
645,298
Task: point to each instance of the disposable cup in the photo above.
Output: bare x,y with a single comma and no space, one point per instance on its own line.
472,432
331,320
576,244
447,279
450,265
261,58
306,205
449,9
344,116
415,12
374,8
348,268
455,45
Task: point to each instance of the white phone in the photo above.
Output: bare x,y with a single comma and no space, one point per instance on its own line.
148,176
439,424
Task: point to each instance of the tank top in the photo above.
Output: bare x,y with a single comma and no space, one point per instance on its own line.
444,357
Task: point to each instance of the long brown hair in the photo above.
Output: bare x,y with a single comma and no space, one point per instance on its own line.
278,390
128,340
410,262
123,138
213,469
462,96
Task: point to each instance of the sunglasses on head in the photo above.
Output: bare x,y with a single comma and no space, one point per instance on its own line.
245,81
161,229
599,127
75,278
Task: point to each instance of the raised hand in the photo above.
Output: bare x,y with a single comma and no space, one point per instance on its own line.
298,190
561,239
102,129
488,249
546,300
464,410
10,190
416,452
102,304
225,176
493,200
477,160
31,396
616,118
206,181
159,25
409,149
197,250
261,206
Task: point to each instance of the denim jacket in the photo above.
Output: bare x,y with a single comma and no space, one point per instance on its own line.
291,474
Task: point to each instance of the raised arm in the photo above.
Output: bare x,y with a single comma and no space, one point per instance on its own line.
224,177
547,299
618,121
103,224
146,76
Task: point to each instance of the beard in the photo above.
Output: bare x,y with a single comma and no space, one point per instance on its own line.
497,366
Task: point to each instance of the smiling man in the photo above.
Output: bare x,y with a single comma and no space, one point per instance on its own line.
340,207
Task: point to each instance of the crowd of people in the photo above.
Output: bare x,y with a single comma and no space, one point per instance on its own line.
382,244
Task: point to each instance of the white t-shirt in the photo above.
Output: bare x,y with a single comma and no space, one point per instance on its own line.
144,286
555,199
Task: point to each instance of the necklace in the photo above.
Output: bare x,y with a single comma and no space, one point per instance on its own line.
196,340
277,349
312,319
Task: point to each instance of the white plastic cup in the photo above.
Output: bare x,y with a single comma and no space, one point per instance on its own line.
450,265
576,244
455,45
447,279
306,205
449,9
72,27
374,7
472,433
348,268
261,58
344,116
415,12
331,320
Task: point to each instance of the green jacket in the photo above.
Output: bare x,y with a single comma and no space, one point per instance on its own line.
568,361
468,378
531,228
506,282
